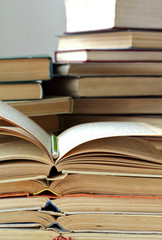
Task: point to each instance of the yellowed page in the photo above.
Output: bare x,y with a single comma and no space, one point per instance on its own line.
44,219
79,134
42,234
111,222
20,120
22,203
27,234
19,132
16,148
112,236
117,146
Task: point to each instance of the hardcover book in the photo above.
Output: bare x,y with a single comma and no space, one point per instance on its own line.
81,14
104,86
109,68
108,55
21,91
25,68
111,40
118,105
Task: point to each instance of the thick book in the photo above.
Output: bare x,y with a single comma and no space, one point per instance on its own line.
126,148
95,182
111,40
25,68
109,68
104,86
83,203
118,105
111,55
21,91
103,222
81,14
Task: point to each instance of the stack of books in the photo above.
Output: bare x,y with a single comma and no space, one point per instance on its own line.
100,179
21,77
113,72
111,68
93,180
21,85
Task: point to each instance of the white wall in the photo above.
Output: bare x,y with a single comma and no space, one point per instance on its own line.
30,27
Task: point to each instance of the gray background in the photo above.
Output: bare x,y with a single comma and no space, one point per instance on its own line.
30,27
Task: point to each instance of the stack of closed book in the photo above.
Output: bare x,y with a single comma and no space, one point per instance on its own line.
21,77
110,65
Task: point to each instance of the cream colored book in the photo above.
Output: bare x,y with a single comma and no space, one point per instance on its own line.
21,91
84,203
88,222
77,182
81,14
119,39
83,213
28,152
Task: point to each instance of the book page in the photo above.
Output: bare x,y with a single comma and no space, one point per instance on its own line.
25,217
32,233
21,203
19,132
117,147
19,149
18,119
79,134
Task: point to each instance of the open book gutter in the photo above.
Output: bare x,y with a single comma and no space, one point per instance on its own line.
108,149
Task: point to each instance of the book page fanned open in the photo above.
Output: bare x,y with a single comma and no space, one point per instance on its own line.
114,148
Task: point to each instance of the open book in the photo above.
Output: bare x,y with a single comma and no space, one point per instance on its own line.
37,234
104,222
83,203
102,148
83,213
